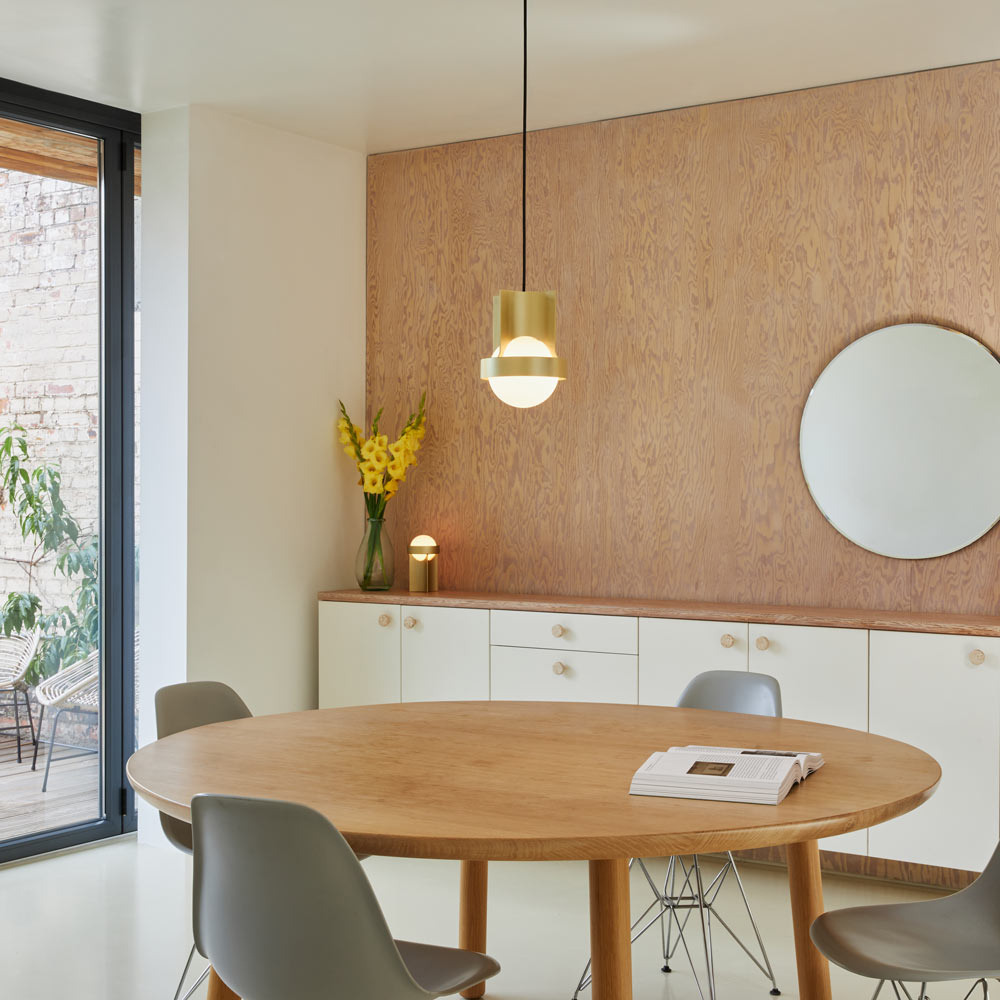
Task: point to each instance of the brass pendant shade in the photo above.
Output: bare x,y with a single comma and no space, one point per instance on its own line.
524,368
517,315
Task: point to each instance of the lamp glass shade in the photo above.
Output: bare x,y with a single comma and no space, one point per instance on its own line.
422,541
523,391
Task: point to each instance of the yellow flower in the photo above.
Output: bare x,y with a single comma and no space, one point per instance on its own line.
350,452
368,468
398,448
392,486
368,448
397,469
381,441
361,481
380,458
373,483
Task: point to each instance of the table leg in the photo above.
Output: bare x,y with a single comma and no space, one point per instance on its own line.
806,888
610,925
218,990
472,914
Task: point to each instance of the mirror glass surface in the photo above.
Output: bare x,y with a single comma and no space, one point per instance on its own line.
900,441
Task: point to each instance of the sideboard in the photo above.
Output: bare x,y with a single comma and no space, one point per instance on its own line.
930,680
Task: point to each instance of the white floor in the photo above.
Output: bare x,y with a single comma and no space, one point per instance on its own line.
113,923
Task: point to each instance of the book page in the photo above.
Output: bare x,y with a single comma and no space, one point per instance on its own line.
711,765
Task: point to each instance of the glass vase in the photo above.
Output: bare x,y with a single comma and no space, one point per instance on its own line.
374,565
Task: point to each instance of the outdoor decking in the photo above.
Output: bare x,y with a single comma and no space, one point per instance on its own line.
72,795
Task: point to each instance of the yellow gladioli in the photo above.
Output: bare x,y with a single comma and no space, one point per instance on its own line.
350,452
380,458
381,441
398,448
368,448
373,483
392,486
397,469
368,468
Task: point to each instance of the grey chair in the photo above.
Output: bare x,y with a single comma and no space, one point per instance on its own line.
684,890
934,941
282,907
186,706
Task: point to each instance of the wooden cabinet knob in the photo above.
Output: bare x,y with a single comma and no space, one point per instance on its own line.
977,657
727,640
762,642
558,631
558,668
384,620
409,622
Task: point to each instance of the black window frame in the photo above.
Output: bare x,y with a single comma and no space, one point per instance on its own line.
119,132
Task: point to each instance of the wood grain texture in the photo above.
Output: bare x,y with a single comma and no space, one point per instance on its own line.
48,152
218,990
472,915
986,625
709,263
526,780
610,944
861,866
805,883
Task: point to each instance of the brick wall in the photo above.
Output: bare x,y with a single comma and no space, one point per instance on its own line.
49,348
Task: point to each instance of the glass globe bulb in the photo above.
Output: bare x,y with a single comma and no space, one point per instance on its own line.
523,391
422,540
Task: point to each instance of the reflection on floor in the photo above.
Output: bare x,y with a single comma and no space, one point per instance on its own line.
71,797
118,917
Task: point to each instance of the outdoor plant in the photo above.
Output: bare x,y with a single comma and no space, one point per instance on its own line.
33,493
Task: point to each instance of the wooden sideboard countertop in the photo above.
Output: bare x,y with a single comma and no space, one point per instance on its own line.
760,614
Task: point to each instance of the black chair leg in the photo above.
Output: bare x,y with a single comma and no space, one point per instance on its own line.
17,726
31,723
41,715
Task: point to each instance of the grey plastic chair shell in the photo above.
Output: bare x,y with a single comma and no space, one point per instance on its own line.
282,907
930,941
186,706
733,691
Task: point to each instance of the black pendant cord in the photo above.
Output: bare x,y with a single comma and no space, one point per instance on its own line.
524,155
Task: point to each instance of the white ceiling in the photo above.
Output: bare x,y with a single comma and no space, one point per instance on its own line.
389,74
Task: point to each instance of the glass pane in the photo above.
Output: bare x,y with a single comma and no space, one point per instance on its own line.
50,475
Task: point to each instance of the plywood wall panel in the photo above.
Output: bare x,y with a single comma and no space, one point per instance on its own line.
709,263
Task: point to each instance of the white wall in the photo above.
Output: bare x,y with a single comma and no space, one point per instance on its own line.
253,326
276,333
163,431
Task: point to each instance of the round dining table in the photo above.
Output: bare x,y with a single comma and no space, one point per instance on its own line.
540,781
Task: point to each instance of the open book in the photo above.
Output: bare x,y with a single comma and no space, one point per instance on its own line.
729,774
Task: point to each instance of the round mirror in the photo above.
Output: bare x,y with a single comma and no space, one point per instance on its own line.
900,441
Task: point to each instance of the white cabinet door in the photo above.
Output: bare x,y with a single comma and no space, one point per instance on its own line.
931,691
823,673
358,654
672,651
518,674
446,654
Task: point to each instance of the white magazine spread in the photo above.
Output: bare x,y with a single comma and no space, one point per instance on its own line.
732,774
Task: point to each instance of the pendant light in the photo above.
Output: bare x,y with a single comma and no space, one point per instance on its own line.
524,369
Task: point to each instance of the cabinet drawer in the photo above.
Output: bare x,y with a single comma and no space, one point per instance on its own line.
540,675
545,630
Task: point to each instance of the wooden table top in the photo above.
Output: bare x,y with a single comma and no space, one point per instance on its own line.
527,780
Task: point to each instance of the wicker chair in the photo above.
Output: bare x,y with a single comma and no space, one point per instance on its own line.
16,654
76,688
